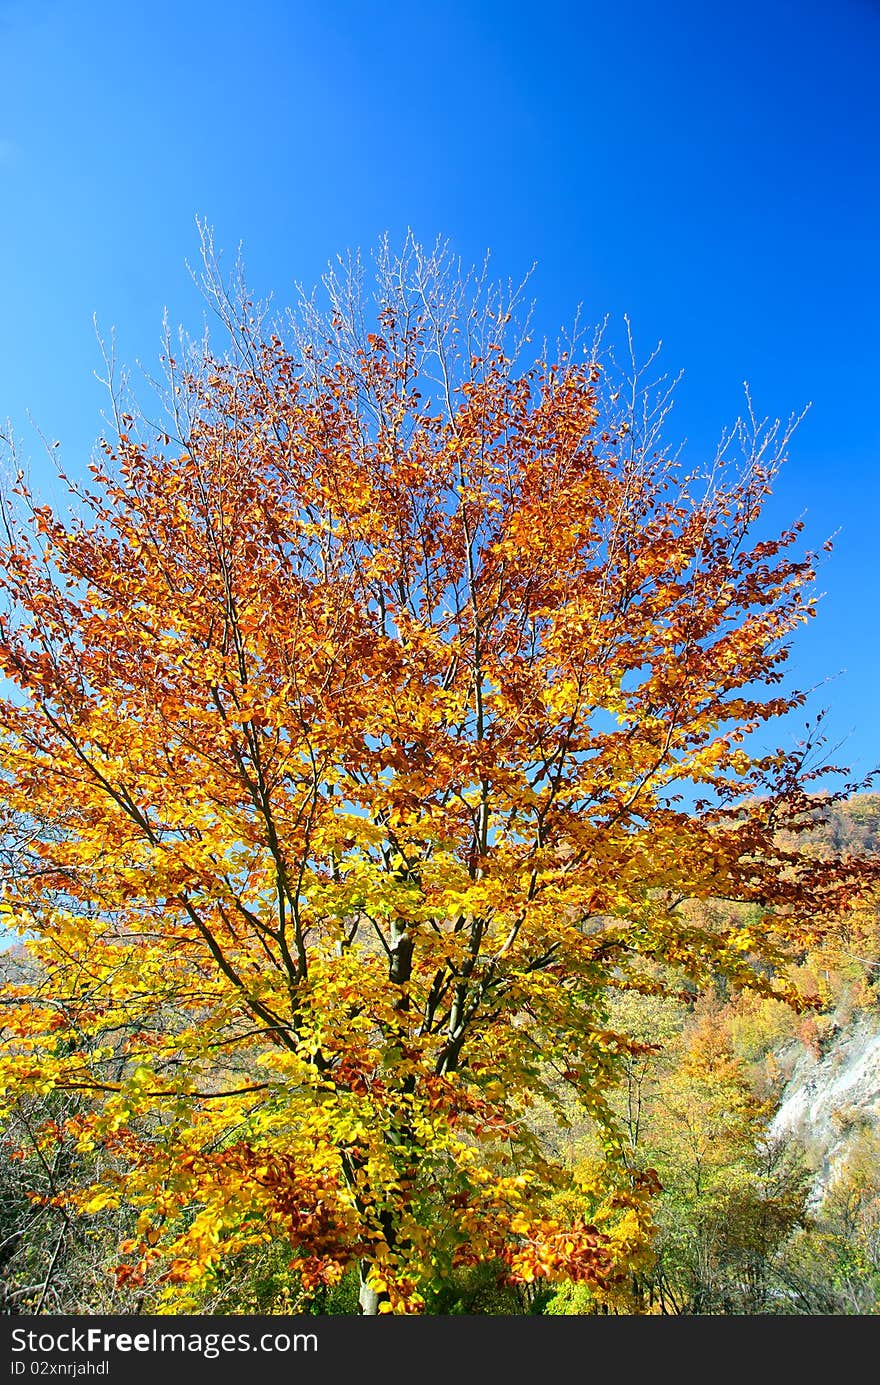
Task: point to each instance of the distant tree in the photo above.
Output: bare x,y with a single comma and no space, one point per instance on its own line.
732,1197
834,1265
355,701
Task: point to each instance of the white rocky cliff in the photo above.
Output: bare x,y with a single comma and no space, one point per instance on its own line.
830,1099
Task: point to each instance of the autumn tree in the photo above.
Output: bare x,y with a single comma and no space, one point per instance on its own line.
732,1196
350,711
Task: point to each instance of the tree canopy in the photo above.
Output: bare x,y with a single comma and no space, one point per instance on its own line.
372,719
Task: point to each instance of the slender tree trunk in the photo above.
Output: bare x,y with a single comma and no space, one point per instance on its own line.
399,971
367,1298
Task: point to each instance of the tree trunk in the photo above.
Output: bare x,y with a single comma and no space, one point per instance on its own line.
367,1298
399,971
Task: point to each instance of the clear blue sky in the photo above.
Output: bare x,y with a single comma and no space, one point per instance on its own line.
714,171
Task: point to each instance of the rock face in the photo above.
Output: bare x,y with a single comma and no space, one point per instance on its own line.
829,1099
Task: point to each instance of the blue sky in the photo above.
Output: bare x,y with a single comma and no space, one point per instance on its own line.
713,171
